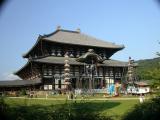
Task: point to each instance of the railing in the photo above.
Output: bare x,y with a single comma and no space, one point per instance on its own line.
81,91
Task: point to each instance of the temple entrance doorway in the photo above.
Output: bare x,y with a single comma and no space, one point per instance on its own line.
85,83
97,84
73,83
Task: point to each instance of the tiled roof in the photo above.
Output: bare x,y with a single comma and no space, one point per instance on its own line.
142,83
115,63
18,83
72,61
77,38
57,60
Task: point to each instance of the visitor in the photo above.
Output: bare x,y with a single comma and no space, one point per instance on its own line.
46,95
71,96
140,98
75,96
68,95
143,98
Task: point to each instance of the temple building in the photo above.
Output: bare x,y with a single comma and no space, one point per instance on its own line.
88,64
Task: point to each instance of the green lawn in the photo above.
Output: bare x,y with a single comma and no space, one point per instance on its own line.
104,107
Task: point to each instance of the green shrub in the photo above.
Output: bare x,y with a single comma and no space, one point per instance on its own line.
3,109
23,92
149,110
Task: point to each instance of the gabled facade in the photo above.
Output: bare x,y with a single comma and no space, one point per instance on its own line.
89,60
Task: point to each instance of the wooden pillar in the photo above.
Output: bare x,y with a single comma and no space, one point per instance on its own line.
90,83
104,72
53,79
102,78
114,77
60,72
80,83
80,76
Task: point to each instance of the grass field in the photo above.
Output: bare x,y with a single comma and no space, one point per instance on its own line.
114,108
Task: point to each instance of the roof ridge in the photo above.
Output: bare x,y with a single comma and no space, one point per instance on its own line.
63,30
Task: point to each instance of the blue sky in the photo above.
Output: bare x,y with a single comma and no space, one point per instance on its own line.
134,23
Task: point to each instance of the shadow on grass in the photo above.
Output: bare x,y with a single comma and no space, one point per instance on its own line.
67,111
96,106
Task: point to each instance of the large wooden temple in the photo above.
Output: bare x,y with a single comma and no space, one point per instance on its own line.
89,63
